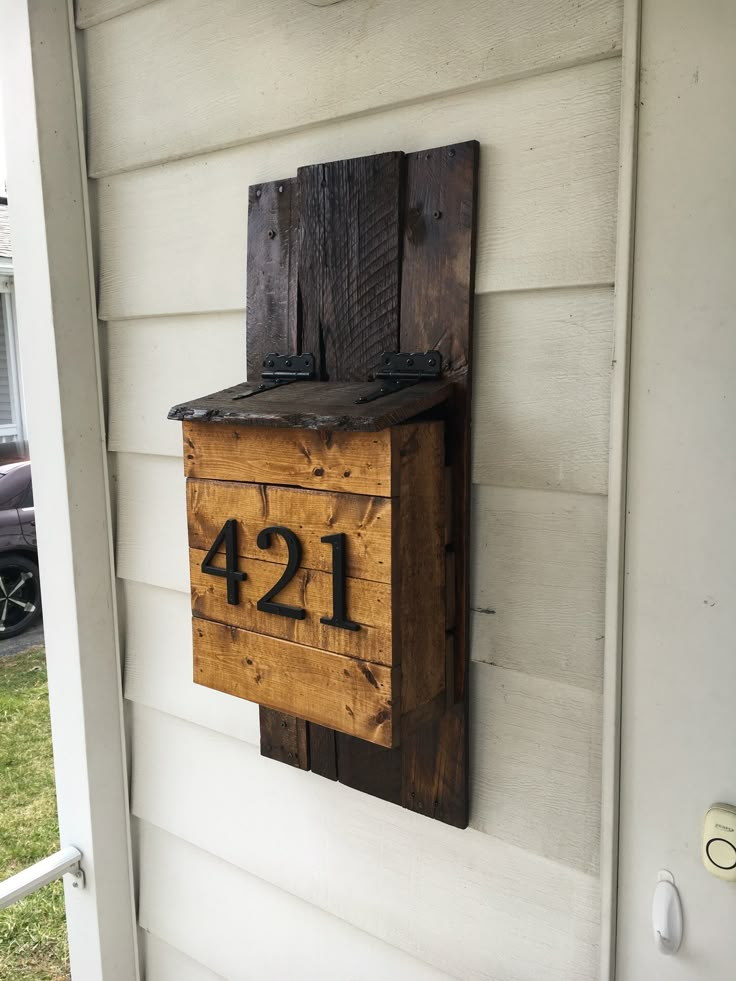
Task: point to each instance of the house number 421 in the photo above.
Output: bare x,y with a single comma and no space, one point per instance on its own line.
266,604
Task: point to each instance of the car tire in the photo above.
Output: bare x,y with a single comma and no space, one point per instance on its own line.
20,595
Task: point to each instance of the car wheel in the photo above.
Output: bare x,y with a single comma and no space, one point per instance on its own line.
20,594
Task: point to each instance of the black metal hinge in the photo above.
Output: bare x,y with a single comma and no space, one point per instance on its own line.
398,371
282,369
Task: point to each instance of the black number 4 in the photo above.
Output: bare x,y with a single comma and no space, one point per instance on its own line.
228,534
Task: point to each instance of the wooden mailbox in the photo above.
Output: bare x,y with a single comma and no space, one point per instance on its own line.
317,557
328,512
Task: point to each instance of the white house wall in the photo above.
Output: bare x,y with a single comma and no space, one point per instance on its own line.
249,869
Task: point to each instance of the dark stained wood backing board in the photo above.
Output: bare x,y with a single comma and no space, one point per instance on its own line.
315,405
348,260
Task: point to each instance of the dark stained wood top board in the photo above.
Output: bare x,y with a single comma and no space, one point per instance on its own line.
348,260
315,405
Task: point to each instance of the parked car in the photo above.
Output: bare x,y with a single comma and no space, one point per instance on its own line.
20,587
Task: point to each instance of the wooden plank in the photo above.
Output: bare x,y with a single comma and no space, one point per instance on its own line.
419,561
349,257
193,61
368,603
271,325
473,904
323,751
352,463
314,405
437,290
330,689
348,284
366,521
237,929
436,313
271,319
284,738
546,205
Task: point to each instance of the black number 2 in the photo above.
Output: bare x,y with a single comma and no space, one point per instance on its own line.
265,603
228,534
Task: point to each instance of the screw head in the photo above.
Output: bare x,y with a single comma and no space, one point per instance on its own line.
281,188
451,152
258,192
284,723
436,215
410,362
271,233
431,362
288,362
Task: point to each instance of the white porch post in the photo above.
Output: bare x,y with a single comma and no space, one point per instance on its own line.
58,340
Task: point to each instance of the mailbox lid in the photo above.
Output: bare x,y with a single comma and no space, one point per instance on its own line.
315,405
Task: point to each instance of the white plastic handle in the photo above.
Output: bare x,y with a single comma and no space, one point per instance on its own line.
667,915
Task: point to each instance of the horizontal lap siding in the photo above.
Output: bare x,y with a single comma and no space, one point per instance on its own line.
172,238
543,364
245,69
465,902
247,930
249,869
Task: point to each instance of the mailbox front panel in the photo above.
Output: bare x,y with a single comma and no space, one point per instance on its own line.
319,603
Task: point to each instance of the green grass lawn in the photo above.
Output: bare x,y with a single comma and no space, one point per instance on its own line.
33,931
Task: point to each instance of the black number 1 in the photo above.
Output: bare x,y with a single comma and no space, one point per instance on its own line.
228,534
339,616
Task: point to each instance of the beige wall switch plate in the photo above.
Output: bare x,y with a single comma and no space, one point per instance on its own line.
719,841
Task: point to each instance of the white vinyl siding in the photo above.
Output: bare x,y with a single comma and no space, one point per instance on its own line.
188,104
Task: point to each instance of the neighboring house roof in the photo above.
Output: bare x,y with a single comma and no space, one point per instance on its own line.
6,251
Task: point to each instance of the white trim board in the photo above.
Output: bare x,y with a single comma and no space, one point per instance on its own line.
56,308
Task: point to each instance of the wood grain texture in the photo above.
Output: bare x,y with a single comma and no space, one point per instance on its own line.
284,738
193,59
272,327
310,514
368,603
471,903
314,405
271,317
419,560
329,689
547,194
349,255
352,463
237,931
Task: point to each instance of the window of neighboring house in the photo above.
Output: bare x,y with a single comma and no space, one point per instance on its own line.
12,429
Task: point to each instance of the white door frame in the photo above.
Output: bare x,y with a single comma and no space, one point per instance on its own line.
617,467
47,193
